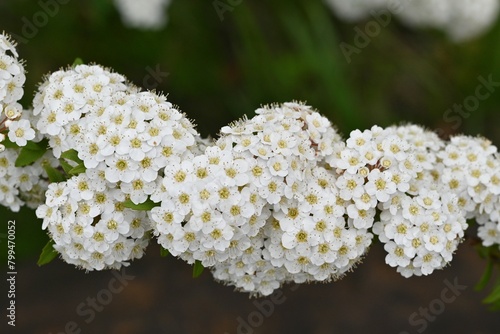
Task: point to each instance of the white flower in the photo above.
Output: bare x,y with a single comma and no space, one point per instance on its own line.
57,194
80,187
489,234
278,166
396,255
20,132
273,191
350,160
361,219
120,168
138,189
350,185
380,184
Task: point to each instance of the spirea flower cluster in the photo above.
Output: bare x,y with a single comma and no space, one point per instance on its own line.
122,139
422,224
471,169
23,185
259,206
460,19
12,80
18,185
277,198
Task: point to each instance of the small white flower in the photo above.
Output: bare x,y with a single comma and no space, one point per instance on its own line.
380,184
20,132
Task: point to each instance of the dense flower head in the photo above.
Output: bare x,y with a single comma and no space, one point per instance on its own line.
89,224
260,202
460,19
12,78
422,223
123,138
470,168
129,135
23,185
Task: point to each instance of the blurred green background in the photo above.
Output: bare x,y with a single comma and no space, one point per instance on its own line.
260,53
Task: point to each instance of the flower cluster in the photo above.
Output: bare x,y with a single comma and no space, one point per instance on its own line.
120,139
90,227
18,185
23,185
12,80
461,20
392,169
146,14
260,206
423,225
278,198
470,167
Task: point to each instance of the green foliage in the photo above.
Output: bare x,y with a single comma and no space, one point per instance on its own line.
145,206
53,174
48,254
31,153
77,169
164,252
70,169
66,166
486,276
77,61
8,144
492,256
197,269
71,155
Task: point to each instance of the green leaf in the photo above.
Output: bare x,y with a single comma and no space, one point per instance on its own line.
493,297
146,206
65,166
197,269
484,252
42,145
31,153
486,276
164,252
77,61
71,155
77,169
8,144
53,174
48,254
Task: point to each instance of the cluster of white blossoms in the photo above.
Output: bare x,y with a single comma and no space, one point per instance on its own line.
123,139
471,169
422,224
89,224
18,185
12,80
460,19
278,198
145,14
23,185
260,207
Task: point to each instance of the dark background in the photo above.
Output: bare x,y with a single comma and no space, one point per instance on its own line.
219,70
